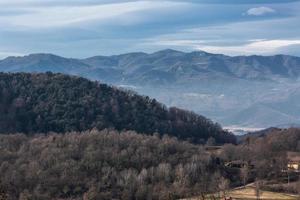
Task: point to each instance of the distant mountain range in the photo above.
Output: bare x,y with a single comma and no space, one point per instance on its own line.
252,91
162,67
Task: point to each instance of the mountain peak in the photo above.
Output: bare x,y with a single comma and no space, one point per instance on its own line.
200,52
44,56
168,51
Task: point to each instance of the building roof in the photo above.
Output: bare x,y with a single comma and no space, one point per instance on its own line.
293,156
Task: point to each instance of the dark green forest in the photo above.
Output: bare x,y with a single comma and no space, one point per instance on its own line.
47,102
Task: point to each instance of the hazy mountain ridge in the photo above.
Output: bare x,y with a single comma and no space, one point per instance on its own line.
170,65
226,89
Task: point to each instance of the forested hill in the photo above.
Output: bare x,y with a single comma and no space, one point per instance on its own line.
45,102
104,165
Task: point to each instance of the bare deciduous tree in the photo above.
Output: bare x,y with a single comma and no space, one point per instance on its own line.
257,188
244,174
223,187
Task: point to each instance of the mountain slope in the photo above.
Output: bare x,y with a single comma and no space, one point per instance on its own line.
168,65
219,86
33,103
187,67
261,115
42,63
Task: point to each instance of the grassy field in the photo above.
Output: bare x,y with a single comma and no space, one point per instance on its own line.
249,194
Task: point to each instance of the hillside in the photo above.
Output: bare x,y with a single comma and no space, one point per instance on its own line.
125,165
223,88
34,103
103,165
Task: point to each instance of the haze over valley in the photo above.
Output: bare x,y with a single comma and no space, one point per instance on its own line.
229,90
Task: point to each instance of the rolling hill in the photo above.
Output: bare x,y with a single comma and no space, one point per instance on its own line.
35,103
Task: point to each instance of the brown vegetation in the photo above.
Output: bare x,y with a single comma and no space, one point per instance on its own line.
124,165
105,165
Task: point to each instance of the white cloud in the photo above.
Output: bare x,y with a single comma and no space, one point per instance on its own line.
43,16
265,37
38,3
89,27
263,47
255,46
259,11
174,42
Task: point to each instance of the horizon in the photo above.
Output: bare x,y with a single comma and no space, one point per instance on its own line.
112,27
148,53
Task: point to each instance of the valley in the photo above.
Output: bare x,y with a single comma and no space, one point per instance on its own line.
229,90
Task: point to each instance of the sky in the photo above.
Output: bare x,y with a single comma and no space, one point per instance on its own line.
84,28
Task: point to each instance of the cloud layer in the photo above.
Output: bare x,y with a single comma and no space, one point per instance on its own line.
82,28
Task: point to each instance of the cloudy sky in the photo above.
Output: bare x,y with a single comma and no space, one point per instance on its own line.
83,28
